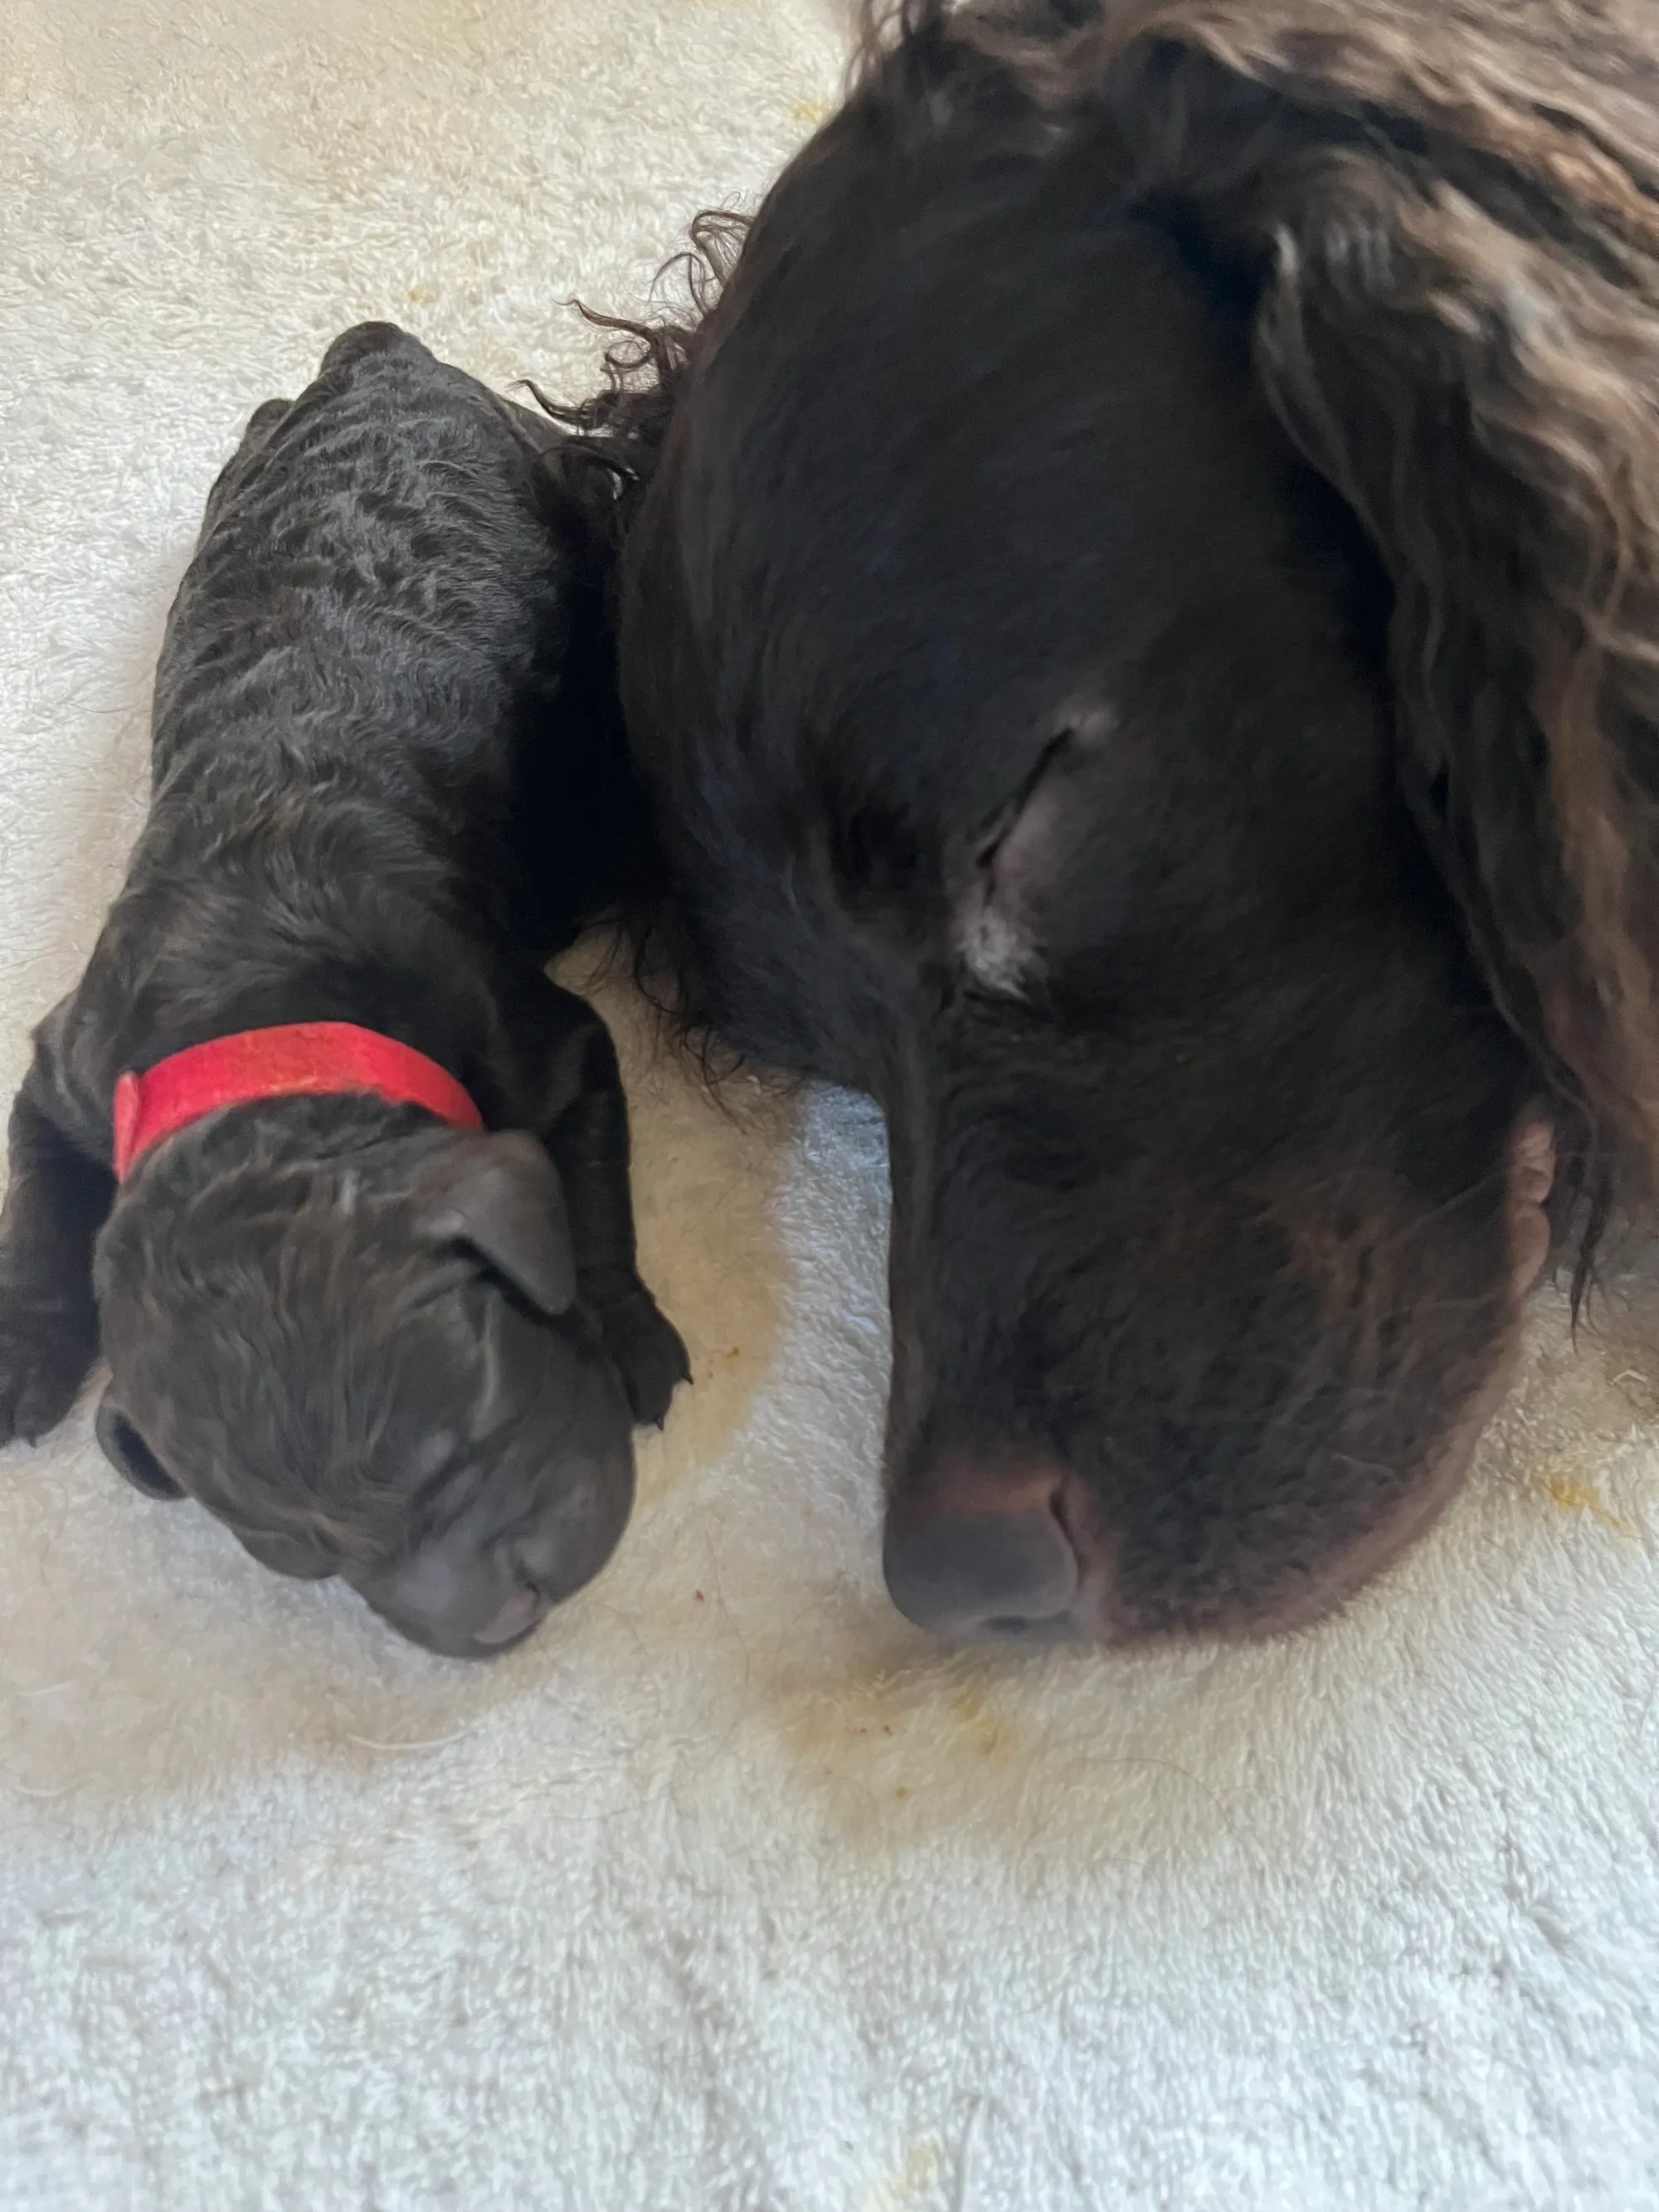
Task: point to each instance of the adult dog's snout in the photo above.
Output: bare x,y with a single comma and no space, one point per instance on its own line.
986,1556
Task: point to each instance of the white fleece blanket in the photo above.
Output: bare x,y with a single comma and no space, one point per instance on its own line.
730,1893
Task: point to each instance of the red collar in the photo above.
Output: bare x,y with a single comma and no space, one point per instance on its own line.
300,1057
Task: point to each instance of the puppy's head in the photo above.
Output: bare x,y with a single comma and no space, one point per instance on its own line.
354,1338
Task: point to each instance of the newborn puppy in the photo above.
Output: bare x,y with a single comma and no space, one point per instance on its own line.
339,1175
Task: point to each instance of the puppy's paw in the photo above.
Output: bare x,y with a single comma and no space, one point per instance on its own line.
646,1349
44,1354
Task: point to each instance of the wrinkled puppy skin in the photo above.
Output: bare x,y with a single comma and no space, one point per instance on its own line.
387,784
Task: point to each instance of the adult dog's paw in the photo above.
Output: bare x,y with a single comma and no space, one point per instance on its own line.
45,1354
647,1353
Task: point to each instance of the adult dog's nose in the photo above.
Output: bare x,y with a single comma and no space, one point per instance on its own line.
984,1556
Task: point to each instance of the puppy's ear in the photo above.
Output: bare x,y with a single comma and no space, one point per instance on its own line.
500,1196
128,1454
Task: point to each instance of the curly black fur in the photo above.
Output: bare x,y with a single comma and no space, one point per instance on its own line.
388,782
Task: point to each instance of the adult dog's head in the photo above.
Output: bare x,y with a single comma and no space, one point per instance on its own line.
1144,628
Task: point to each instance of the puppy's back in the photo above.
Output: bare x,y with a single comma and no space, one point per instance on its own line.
373,571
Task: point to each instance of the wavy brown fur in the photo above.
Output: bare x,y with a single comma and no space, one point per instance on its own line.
1447,215
1450,215
618,433
1211,1191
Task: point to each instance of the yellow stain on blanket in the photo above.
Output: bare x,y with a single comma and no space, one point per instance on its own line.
1578,1497
854,1725
916,2179
983,1729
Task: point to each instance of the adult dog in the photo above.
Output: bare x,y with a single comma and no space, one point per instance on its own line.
1141,617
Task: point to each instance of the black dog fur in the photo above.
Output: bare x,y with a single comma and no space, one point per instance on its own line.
386,783
1138,617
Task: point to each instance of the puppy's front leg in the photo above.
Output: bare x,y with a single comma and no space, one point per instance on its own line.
583,1122
56,1203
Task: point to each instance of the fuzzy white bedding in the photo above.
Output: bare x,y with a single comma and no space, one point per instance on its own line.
729,1892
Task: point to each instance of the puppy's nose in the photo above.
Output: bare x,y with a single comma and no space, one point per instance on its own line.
520,1612
984,1557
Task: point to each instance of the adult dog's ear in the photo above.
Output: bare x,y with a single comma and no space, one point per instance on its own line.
1445,234
127,1452
500,1197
